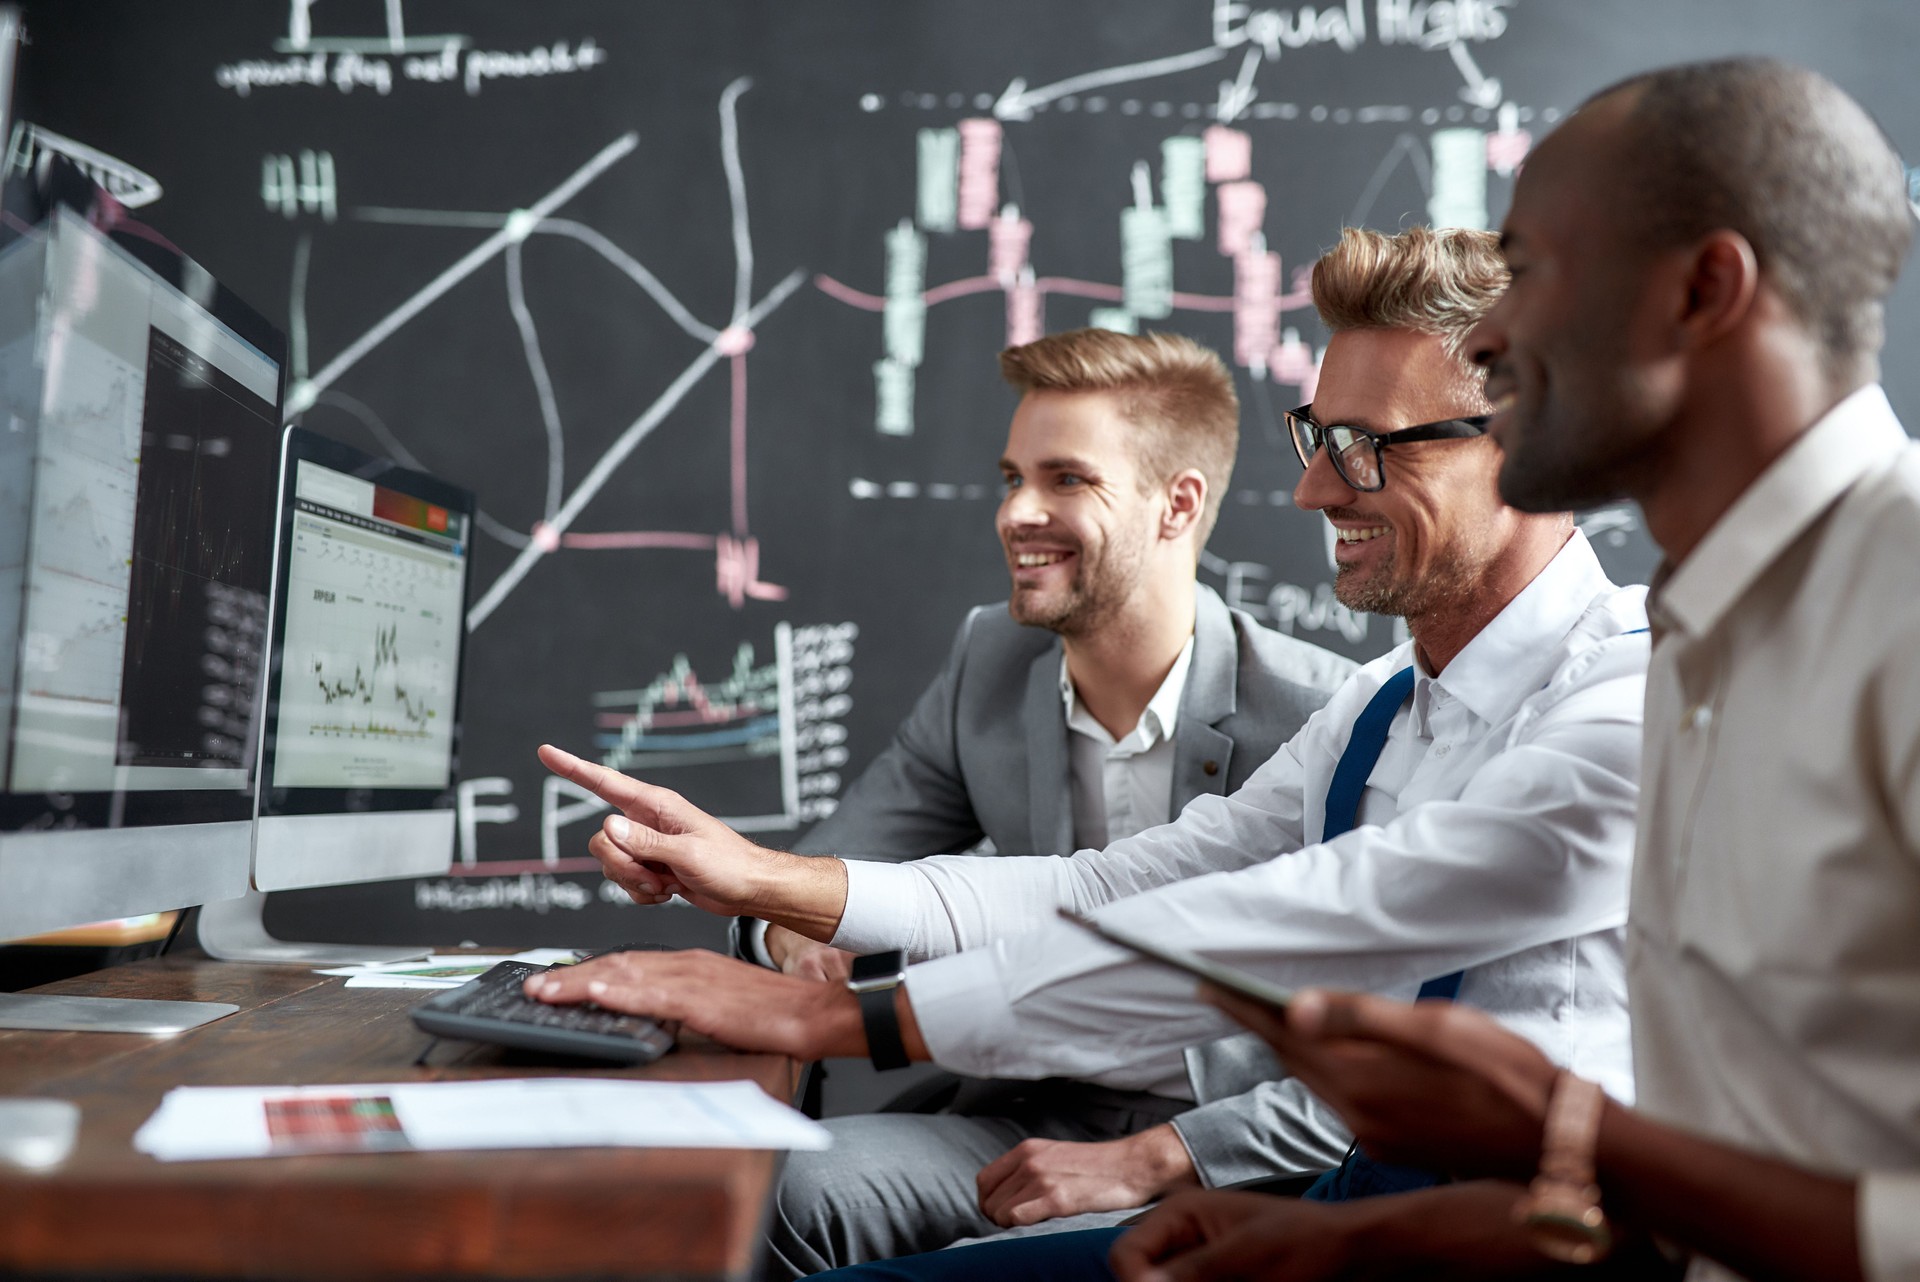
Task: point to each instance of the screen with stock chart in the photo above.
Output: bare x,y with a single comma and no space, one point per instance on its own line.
370,668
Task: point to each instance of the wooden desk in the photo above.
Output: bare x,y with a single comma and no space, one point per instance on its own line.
573,1213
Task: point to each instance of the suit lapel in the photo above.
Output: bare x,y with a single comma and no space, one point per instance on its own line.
1209,698
1049,789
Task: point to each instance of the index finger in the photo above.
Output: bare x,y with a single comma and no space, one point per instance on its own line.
618,981
610,786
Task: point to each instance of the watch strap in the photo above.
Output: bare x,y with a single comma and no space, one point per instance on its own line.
885,1047
1561,1209
873,981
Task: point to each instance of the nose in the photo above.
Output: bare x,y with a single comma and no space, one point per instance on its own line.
1022,509
1321,487
1487,340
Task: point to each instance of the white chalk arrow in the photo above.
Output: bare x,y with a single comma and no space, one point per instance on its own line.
1480,91
1237,95
1018,102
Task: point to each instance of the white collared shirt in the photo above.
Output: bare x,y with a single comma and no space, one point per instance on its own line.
1774,945
1496,833
1122,787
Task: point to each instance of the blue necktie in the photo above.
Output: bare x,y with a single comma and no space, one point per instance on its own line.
1364,745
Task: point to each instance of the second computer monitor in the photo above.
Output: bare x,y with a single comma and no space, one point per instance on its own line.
360,753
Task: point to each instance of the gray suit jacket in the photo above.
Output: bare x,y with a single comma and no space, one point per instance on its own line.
961,768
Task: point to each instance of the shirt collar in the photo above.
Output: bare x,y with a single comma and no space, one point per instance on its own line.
1506,660
1855,437
1162,713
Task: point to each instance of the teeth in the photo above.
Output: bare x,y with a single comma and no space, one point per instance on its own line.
1360,536
1031,560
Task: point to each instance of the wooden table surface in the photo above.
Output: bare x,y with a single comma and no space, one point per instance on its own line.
573,1213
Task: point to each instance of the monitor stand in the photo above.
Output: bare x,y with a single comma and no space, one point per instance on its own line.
233,930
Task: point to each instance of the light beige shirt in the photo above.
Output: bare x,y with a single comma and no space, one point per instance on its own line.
1124,786
1774,936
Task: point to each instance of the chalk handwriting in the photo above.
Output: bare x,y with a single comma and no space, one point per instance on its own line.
527,892
349,69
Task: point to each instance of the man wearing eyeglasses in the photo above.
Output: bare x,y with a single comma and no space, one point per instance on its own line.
1458,820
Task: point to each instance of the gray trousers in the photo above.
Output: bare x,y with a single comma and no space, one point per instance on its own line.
902,1183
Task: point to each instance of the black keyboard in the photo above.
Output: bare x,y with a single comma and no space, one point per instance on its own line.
494,1008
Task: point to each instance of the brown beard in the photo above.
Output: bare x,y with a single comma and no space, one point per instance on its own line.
1450,581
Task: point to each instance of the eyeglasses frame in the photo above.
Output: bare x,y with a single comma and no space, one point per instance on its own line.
1448,429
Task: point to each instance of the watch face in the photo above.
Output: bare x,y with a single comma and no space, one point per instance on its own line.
1571,1230
877,970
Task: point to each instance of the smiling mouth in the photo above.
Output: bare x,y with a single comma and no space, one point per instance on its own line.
1036,560
1360,535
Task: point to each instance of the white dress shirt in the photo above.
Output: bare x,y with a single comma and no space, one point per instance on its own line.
1775,940
1496,834
1122,787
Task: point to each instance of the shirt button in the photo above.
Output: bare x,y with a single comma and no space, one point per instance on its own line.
1210,767
1699,717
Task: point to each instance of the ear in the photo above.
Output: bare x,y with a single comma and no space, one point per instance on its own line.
1186,494
1722,282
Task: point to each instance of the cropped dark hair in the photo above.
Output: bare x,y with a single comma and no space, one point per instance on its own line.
1788,160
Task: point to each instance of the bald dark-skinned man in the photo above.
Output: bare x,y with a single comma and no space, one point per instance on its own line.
1709,349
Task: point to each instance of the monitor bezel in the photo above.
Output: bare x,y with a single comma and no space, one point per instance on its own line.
30,202
304,445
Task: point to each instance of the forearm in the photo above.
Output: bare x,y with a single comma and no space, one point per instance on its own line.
806,894
1760,1217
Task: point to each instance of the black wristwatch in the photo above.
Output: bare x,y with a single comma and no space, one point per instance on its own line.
874,978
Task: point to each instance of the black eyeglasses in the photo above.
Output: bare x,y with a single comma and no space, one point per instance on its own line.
1355,451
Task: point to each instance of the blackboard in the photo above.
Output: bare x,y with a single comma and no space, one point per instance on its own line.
702,300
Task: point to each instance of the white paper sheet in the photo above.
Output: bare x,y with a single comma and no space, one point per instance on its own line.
441,970
194,1123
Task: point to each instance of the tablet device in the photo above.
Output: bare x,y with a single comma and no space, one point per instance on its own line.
1239,982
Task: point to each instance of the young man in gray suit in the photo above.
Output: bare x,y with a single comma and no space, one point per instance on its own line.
1109,691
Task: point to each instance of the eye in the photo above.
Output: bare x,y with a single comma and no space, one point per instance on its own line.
1068,480
1010,480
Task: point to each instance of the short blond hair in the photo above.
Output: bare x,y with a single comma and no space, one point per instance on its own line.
1178,393
1431,282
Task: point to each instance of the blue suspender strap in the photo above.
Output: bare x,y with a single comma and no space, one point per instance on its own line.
1364,746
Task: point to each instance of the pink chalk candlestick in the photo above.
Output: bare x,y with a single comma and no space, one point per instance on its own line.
1243,208
1024,313
1007,242
1256,307
1229,154
979,172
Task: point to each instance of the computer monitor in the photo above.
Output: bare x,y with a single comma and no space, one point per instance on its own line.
360,753
140,402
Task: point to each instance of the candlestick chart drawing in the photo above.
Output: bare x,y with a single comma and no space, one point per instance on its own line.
1200,231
